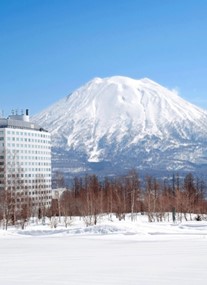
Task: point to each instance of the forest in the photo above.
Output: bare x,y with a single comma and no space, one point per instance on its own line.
172,198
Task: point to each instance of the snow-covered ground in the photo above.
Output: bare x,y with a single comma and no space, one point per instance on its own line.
112,252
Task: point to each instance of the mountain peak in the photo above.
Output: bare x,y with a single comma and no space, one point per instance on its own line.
119,79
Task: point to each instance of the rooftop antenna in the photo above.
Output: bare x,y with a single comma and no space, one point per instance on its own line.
16,111
12,112
22,112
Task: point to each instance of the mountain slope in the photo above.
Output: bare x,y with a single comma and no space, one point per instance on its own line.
119,123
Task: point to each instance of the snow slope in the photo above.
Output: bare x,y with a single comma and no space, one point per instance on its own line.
125,123
112,252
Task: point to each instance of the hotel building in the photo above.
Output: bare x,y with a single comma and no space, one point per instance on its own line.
25,160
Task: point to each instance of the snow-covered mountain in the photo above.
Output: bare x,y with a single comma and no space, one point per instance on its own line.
118,123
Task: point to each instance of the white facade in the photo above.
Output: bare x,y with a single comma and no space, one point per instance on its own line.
25,160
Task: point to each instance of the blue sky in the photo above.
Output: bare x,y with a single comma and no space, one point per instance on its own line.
48,48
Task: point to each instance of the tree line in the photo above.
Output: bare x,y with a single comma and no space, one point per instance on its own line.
178,197
89,197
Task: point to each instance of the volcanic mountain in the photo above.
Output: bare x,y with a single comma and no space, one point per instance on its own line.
114,124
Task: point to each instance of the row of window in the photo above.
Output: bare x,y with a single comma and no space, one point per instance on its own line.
35,204
18,163
20,184
28,133
26,140
17,158
25,193
38,184
37,175
16,151
26,145
22,200
21,170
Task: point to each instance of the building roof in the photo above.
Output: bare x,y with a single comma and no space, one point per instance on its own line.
20,122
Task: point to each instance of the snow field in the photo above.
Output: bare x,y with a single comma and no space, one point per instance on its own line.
112,252
77,260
